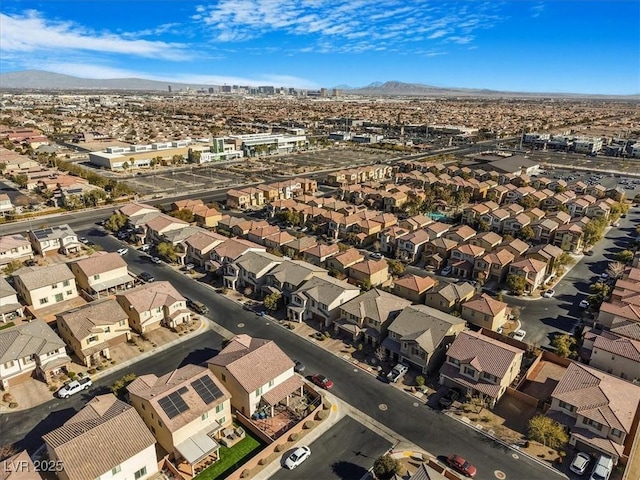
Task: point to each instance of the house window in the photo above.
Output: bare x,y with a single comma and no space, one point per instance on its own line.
59,297
488,376
222,420
224,378
469,371
121,323
55,285
258,392
271,382
116,469
219,408
9,364
567,406
107,329
69,292
96,277
454,361
140,473
593,423
205,415
92,339
44,301
65,283
616,433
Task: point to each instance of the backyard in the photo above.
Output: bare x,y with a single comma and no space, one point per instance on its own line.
232,458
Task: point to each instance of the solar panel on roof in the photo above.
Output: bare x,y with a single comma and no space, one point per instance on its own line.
173,404
183,390
207,389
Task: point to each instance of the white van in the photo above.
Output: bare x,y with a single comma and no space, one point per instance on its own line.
602,469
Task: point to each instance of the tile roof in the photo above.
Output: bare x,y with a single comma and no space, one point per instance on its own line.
149,296
370,266
617,345
19,467
84,320
27,339
454,292
154,389
375,304
599,396
9,242
234,247
349,257
101,262
485,305
425,325
484,353
256,262
415,283
253,362
104,434
134,208
38,277
325,289
295,272
204,240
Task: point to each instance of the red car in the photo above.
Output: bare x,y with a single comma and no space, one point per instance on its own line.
322,381
461,465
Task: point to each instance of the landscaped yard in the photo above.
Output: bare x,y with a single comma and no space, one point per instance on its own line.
232,458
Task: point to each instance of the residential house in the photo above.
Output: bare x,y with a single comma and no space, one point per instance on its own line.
159,226
44,286
229,251
485,312
318,299
614,354
532,270
278,240
615,312
368,316
388,239
436,229
599,210
487,240
481,366
31,349
102,273
136,209
259,234
471,214
410,246
206,217
463,258
544,230
517,247
187,410
14,247
320,253
19,467
152,305
600,410
297,247
438,251
289,276
513,225
460,234
550,254
416,222
569,238
420,336
369,272
448,297
249,270
57,239
257,373
200,245
91,330
245,198
413,287
10,306
342,261
493,266
227,222
78,446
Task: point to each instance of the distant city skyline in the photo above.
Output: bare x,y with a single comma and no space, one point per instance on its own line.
557,46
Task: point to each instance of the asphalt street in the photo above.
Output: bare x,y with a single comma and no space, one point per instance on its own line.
398,411
345,452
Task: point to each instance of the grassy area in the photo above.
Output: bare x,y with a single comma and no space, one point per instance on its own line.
232,458
7,325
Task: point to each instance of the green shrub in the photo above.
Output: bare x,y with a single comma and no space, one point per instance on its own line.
245,473
91,371
71,375
322,414
309,424
294,437
279,448
13,405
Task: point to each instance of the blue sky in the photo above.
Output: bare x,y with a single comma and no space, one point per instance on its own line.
581,46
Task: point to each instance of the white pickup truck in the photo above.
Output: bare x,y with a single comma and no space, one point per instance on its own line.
74,387
397,372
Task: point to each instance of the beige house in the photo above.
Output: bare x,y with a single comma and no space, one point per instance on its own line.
57,239
187,410
413,287
369,272
368,315
342,261
91,330
532,270
420,336
199,247
249,270
14,247
152,305
79,444
486,312
481,366
600,410
614,354
31,349
41,287
319,298
289,276
320,253
102,273
448,297
258,374
10,307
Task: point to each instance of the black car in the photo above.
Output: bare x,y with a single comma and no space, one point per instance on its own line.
146,277
448,398
299,366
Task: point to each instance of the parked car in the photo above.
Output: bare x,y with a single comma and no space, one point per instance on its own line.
519,335
449,398
584,303
156,260
146,247
298,456
189,266
602,469
146,277
376,255
549,293
397,372
74,387
83,240
459,464
580,463
446,270
299,366
322,381
123,251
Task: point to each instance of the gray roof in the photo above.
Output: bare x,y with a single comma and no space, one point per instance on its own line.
512,164
455,291
51,233
6,290
256,262
424,325
181,234
83,321
38,277
325,289
375,304
295,272
32,338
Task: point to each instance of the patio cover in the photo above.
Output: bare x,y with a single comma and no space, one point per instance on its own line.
391,345
598,443
198,446
276,394
347,326
114,282
482,386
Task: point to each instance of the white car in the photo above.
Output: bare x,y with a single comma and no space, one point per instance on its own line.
584,303
549,293
376,256
580,463
123,251
299,455
518,335
74,387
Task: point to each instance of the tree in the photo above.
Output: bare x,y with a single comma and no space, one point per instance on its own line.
483,226
94,197
565,259
115,222
396,267
515,313
119,387
517,283
3,166
168,251
185,215
21,179
528,202
366,286
616,269
625,256
594,231
564,345
547,431
343,247
385,467
12,266
526,233
125,165
272,301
